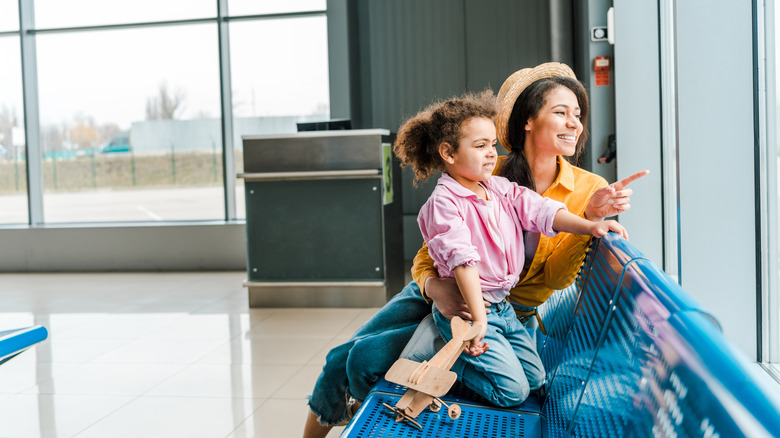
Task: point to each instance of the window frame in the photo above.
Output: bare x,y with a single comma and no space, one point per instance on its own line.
766,47
28,32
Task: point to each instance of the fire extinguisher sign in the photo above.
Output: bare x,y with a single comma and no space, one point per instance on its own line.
601,68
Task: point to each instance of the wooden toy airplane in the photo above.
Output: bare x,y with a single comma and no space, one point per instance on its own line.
429,380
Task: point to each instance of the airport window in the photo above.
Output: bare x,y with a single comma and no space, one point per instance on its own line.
9,15
78,13
255,7
272,98
13,173
771,298
129,132
129,103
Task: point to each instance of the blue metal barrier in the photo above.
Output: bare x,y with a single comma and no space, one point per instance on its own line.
13,342
627,353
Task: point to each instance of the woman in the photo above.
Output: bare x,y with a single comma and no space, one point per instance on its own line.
538,137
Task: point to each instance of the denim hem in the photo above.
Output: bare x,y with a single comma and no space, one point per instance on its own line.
350,400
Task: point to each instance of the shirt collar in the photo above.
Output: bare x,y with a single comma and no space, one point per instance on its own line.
449,182
565,176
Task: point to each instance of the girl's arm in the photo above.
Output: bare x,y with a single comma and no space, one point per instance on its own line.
442,291
468,282
570,223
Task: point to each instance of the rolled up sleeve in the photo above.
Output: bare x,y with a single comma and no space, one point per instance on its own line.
447,234
535,213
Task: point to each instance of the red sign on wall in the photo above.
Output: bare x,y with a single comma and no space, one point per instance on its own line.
601,67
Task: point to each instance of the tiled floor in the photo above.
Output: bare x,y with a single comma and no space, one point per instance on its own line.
160,355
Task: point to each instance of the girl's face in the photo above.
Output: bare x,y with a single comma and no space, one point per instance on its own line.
475,158
557,127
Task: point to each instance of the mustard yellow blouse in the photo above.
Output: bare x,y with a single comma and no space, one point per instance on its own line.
557,259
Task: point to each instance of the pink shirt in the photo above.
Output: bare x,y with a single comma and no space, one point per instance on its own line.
455,223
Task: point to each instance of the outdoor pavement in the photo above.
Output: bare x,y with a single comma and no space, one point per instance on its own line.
138,205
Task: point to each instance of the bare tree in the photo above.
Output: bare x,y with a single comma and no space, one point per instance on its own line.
8,121
53,136
83,132
164,105
108,130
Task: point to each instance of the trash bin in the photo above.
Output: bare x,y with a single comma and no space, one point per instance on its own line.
323,219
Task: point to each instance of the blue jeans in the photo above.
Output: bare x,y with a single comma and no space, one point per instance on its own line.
507,372
352,368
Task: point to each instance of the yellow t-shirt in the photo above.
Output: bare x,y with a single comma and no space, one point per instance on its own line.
558,259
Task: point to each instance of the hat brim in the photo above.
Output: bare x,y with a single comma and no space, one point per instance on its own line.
515,84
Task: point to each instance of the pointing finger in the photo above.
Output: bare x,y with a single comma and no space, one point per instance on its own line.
628,180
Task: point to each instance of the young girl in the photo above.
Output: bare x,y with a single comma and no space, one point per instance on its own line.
473,224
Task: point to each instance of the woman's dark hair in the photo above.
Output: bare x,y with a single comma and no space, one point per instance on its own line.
527,106
418,140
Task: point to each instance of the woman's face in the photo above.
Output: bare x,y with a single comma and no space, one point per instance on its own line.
557,127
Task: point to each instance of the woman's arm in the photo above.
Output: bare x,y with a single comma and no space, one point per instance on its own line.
564,261
443,292
612,199
423,269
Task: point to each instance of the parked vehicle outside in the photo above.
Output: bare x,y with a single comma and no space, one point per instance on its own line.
118,143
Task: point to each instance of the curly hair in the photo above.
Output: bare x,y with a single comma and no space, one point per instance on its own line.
418,140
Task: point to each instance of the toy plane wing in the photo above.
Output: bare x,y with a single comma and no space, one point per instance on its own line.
422,377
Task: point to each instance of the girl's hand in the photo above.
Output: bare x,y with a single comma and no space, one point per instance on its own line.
600,229
612,199
477,345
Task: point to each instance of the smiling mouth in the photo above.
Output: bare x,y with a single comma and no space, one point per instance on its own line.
567,137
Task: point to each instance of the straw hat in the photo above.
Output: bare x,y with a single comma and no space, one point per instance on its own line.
515,84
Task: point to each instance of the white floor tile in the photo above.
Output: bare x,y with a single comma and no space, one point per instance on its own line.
31,415
278,418
160,354
108,379
267,351
216,380
174,417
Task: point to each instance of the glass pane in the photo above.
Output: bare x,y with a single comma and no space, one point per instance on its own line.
257,7
9,15
279,77
128,131
13,171
71,13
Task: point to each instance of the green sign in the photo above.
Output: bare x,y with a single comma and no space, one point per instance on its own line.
387,171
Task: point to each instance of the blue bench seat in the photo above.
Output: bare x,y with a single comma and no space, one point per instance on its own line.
628,353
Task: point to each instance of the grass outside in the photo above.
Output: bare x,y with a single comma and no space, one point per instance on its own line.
121,171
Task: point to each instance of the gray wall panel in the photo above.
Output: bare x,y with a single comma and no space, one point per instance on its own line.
412,53
504,36
638,120
416,55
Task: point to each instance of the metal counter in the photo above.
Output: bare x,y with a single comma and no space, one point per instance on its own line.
323,219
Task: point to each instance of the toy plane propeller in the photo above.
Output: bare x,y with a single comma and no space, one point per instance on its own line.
429,380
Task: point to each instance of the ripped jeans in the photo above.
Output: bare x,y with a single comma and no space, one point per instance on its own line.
352,368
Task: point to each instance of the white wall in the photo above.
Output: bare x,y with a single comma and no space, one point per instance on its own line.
117,247
715,147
